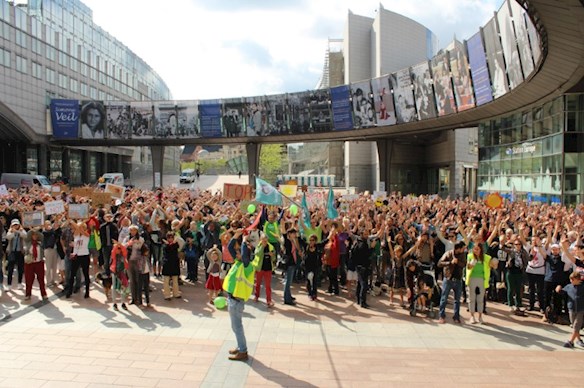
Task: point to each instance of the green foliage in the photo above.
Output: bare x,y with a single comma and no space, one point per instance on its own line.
273,160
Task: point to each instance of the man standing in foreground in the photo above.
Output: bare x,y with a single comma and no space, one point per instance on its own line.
453,263
238,284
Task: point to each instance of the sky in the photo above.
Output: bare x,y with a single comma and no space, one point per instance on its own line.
206,49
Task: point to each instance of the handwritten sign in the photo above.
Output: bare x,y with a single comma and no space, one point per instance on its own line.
289,190
78,211
238,192
3,191
98,198
115,190
82,191
54,207
33,219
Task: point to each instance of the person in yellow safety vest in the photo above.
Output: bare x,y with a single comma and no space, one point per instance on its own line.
238,284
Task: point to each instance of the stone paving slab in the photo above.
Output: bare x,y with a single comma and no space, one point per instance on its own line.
329,343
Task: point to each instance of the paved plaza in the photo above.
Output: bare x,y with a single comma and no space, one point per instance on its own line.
329,343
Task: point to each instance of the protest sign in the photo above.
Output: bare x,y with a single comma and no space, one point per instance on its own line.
54,207
237,192
98,198
115,190
33,219
79,211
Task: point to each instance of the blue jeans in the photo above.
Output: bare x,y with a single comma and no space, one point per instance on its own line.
447,285
68,266
235,307
289,277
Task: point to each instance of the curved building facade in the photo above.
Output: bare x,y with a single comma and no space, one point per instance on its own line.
52,49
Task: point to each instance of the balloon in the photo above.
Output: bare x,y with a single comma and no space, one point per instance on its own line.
251,208
294,210
494,201
220,302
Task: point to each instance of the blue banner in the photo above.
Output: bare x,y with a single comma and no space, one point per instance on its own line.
210,117
342,108
65,118
479,71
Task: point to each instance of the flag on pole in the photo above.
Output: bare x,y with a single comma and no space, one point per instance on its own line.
267,194
256,222
305,213
331,211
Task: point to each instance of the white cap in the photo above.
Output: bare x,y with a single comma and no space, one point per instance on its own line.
14,222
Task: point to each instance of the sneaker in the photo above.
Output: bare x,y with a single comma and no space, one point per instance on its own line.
116,307
124,306
481,321
21,286
442,321
473,320
580,343
569,344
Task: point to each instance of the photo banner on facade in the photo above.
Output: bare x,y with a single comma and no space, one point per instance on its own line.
255,114
233,118
383,100
445,104
522,38
480,73
65,118
424,95
299,112
342,108
118,124
463,94
142,116
276,114
320,111
165,120
210,118
92,120
509,46
405,108
495,59
534,40
188,119
363,106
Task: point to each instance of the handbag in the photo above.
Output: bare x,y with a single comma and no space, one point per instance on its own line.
28,258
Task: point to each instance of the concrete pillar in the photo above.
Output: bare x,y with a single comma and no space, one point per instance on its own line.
66,165
85,167
157,165
384,152
104,163
253,161
43,160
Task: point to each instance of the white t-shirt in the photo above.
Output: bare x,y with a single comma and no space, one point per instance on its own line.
81,245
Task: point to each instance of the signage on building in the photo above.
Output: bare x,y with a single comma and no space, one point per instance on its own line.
525,148
65,118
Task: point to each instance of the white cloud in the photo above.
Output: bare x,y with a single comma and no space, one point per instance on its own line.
236,48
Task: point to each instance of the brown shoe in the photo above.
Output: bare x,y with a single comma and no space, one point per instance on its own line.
234,351
239,356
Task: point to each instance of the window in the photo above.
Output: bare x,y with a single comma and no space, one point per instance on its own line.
51,53
93,93
37,70
74,64
20,19
37,28
84,89
21,38
37,46
74,85
21,64
50,76
62,58
4,58
4,31
5,10
63,81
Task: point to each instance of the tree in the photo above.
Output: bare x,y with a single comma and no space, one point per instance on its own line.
272,160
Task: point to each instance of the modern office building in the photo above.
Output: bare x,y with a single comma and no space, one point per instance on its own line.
437,163
535,154
53,49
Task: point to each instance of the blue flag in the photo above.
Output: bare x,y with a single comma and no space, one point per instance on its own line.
331,211
305,213
267,194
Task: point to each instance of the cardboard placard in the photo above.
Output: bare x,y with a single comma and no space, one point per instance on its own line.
55,189
78,211
238,192
98,198
54,207
3,191
115,190
82,191
289,190
33,219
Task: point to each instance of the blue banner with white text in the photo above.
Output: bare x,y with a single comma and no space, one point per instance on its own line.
65,118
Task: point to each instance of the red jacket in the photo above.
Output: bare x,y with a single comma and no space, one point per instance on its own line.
335,252
117,250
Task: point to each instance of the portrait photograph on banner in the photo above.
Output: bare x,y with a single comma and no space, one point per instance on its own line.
233,113
405,108
299,112
518,15
442,85
118,120
424,95
256,116
276,114
509,44
165,120
495,59
383,101
142,115
188,118
92,120
463,94
210,118
320,111
363,106
65,118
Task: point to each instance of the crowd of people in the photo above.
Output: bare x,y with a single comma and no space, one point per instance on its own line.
417,249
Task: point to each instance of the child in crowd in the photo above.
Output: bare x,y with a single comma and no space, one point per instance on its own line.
119,266
213,283
575,293
145,274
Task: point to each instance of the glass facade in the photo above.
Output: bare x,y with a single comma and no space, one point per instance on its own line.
535,154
